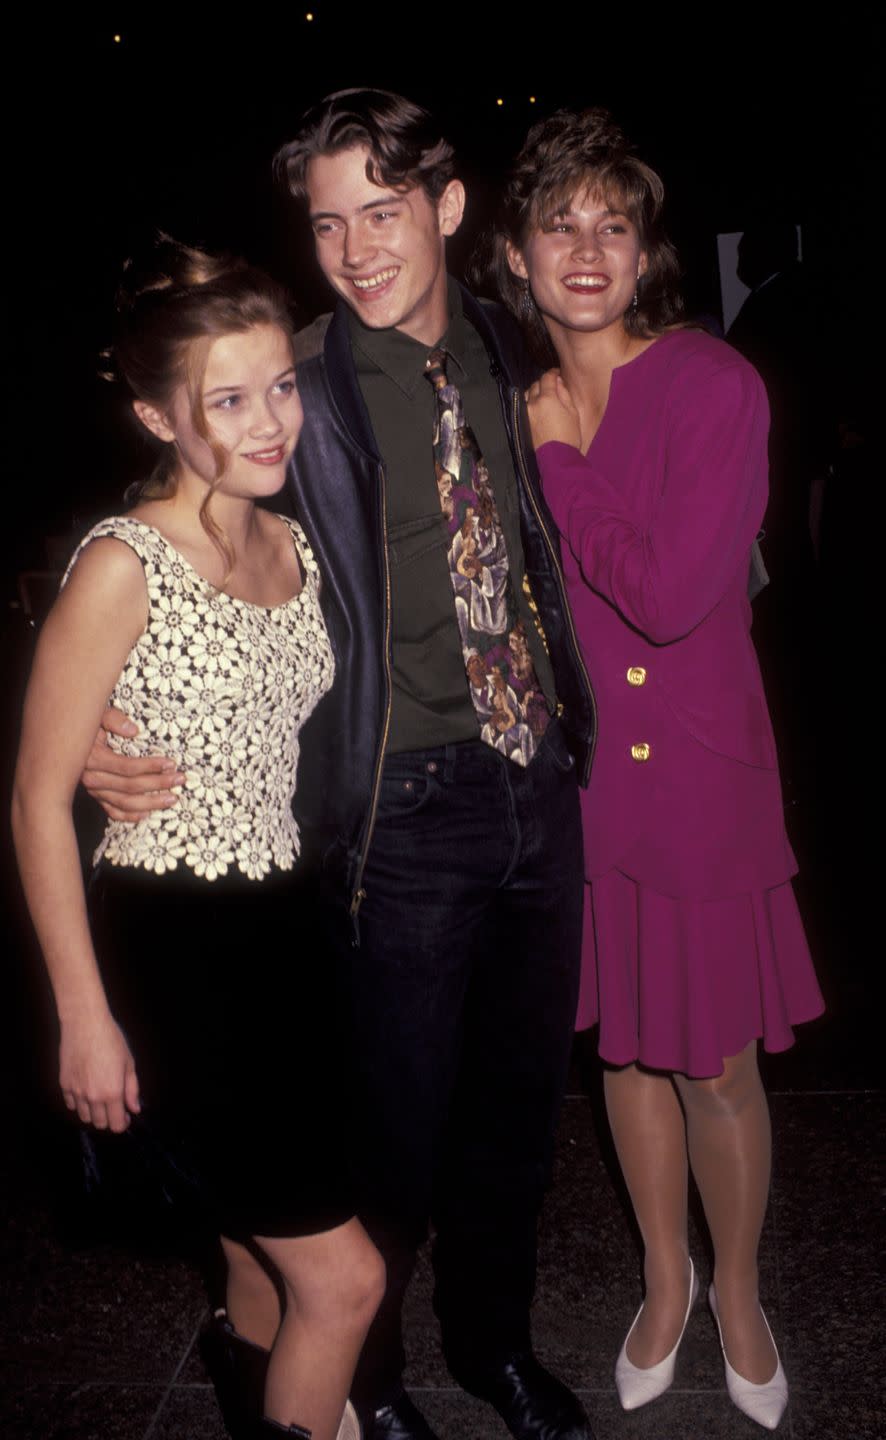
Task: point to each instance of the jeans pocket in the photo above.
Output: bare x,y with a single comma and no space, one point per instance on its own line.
405,792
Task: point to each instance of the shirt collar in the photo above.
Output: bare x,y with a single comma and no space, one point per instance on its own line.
400,357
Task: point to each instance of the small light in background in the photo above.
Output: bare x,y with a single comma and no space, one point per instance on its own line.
118,39
499,102
310,15
532,99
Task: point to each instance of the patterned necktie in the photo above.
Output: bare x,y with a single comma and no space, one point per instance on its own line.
502,682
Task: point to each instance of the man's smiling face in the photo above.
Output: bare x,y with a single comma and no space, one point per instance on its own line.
383,249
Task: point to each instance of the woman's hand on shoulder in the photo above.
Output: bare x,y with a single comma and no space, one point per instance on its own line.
97,1072
552,414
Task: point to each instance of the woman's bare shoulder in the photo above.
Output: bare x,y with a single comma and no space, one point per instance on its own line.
106,570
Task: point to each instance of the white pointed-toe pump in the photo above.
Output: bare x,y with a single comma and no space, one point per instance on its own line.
637,1387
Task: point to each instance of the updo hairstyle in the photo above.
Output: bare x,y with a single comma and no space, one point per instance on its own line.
172,303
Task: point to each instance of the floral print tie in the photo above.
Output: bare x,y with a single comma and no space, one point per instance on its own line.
504,688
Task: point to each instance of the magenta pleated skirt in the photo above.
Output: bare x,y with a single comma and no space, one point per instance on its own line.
682,984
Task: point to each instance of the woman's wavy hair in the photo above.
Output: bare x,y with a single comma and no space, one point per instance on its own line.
404,142
171,304
569,154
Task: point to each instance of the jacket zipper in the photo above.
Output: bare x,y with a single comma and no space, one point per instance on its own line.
561,579
359,894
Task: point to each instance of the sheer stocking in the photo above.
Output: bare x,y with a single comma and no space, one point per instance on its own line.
729,1139
725,1123
649,1132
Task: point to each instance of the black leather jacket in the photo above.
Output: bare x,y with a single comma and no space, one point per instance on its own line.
337,487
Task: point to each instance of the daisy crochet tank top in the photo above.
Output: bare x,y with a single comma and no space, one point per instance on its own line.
222,687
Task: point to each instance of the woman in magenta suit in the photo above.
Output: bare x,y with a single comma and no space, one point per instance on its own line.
651,442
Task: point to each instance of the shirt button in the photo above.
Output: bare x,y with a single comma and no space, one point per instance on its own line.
641,751
432,767
636,675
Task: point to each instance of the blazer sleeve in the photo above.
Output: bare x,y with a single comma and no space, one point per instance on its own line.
666,574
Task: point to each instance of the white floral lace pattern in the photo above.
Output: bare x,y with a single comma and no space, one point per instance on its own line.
222,687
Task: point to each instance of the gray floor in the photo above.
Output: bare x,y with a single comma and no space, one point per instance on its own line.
100,1340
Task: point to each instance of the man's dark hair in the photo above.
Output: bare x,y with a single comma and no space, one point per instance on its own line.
404,142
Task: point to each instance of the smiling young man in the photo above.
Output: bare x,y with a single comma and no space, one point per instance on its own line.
458,856
379,247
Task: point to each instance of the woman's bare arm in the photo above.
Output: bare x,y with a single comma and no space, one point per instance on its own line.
81,651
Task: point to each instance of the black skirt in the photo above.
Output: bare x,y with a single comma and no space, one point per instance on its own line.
230,995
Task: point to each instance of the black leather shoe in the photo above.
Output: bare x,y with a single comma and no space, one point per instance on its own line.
398,1420
532,1402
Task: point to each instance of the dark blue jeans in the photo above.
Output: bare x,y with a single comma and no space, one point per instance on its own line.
465,983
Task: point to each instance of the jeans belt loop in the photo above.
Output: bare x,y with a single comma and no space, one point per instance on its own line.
449,756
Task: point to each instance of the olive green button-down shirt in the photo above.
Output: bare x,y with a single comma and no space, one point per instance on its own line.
431,702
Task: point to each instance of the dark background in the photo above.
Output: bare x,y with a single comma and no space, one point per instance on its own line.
175,127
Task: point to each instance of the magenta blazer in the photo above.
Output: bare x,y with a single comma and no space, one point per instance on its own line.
656,525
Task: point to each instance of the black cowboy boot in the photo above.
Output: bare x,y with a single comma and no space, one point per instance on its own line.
238,1369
